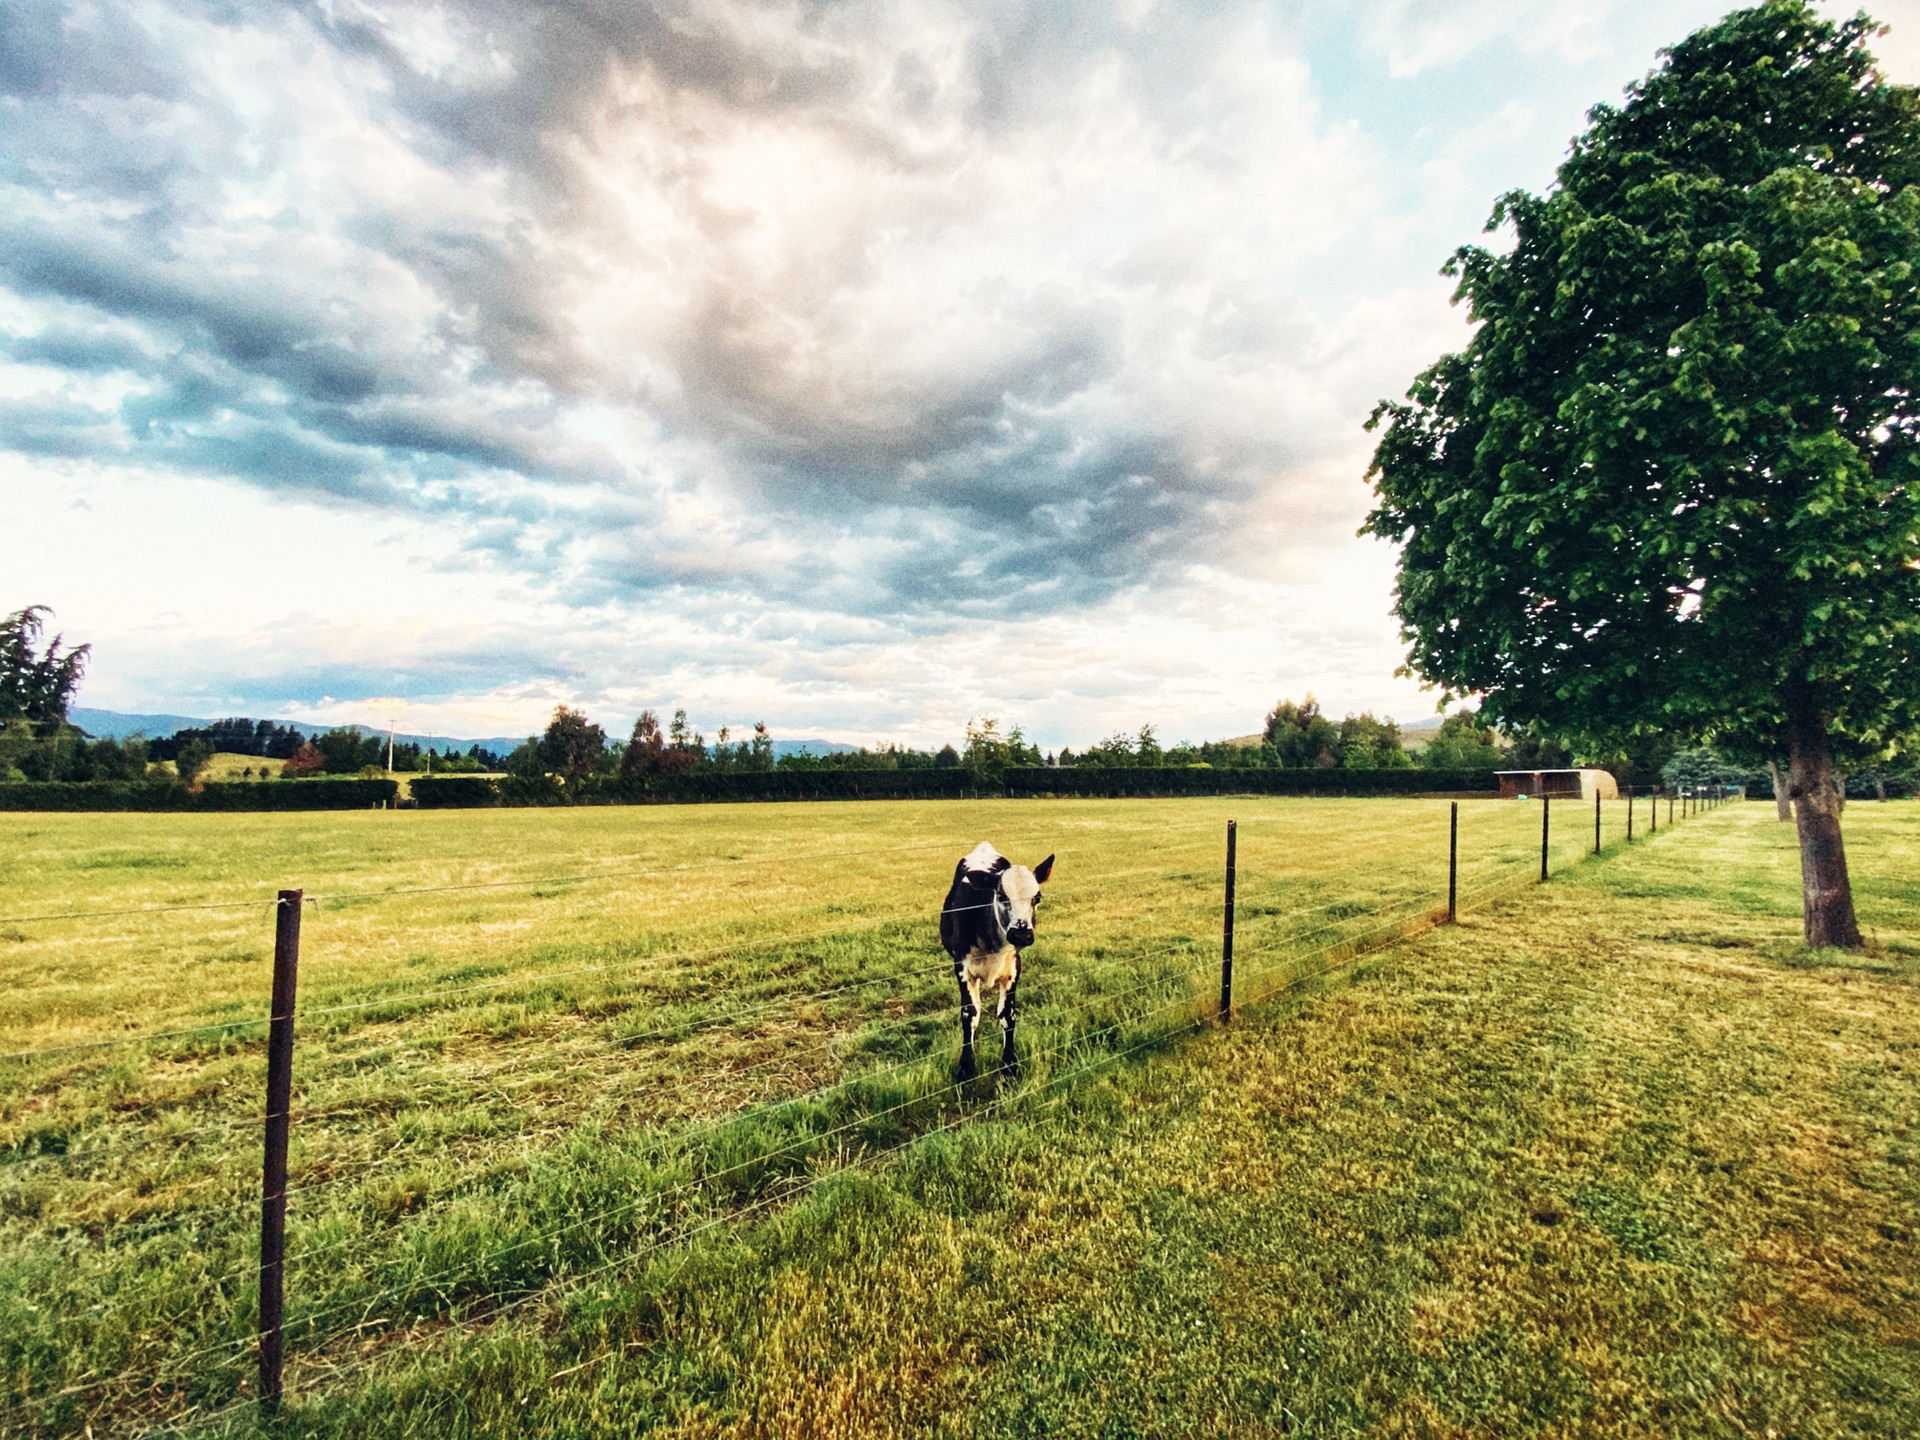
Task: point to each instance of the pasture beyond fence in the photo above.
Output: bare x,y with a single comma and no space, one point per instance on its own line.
204,1340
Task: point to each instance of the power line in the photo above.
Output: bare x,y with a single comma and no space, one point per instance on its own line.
345,896
504,982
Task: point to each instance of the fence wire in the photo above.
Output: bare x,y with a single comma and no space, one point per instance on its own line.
674,1209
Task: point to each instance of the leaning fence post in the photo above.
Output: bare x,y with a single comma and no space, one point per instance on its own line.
1546,810
1453,865
273,1185
1226,932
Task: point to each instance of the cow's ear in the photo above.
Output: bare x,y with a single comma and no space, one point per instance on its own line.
1043,870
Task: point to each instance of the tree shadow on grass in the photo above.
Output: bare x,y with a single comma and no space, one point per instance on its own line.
1893,960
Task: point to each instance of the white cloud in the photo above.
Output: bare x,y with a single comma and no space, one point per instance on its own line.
1421,35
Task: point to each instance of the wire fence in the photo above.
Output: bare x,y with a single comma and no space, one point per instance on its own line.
731,1097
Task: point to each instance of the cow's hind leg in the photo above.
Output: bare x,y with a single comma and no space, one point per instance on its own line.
968,1013
1009,1061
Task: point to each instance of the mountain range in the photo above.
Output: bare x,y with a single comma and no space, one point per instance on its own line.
118,725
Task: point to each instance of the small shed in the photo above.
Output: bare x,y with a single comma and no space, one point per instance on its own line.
1558,784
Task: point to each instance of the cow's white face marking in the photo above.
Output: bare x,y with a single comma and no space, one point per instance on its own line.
1020,890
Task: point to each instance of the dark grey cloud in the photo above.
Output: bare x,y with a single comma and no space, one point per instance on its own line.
514,266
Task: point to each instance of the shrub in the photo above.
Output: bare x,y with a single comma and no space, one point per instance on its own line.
237,795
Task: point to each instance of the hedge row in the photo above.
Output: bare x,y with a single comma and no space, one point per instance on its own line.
165,795
1172,780
454,792
466,792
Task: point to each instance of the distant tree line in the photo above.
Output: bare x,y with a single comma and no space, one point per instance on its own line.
66,753
39,677
574,747
1298,735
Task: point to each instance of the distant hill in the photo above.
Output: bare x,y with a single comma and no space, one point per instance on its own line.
812,747
118,725
112,725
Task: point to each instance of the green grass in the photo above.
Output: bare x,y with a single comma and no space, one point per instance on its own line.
1614,1157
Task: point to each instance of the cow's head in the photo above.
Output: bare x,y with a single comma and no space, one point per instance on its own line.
1012,890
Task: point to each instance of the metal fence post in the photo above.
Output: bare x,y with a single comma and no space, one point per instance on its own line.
1453,865
273,1185
1629,814
1226,931
1596,819
1546,810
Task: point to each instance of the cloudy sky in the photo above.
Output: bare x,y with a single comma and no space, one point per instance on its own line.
856,367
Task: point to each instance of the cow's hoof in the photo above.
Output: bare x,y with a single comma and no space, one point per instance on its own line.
966,1070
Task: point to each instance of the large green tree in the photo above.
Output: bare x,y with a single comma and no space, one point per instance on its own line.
1671,484
1301,736
573,746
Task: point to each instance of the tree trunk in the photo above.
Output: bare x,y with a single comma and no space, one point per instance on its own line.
1826,895
1782,803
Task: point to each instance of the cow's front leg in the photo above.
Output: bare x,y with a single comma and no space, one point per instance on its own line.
968,1013
1009,1062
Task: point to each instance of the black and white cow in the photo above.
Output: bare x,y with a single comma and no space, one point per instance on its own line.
985,924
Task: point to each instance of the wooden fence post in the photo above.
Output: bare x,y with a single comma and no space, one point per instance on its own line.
1453,865
1226,932
1546,811
273,1184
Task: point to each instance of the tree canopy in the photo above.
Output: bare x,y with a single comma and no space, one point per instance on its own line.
1463,742
573,746
1673,482
1301,736
37,685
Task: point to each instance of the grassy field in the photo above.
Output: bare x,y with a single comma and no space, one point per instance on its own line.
507,1094
227,767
